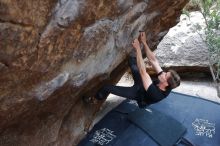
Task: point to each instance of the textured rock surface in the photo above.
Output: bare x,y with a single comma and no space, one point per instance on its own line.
52,52
183,47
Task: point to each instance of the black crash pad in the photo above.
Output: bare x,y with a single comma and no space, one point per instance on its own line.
199,116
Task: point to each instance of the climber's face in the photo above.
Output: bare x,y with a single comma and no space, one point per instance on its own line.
163,78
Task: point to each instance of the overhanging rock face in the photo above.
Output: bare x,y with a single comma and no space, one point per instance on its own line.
53,52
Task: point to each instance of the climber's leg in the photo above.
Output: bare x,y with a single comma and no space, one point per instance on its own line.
127,92
134,70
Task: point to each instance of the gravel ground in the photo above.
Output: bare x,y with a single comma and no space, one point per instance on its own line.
203,88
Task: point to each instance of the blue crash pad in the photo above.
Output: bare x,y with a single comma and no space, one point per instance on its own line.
155,124
199,116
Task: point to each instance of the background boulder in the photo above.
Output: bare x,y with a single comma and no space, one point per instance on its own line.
183,48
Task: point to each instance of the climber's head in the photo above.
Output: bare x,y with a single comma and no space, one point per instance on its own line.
174,79
170,79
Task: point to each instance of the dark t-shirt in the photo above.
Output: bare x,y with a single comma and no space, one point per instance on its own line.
155,94
152,95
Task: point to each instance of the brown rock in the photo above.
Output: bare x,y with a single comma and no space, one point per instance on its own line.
53,52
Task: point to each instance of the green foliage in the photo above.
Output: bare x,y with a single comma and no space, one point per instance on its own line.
186,13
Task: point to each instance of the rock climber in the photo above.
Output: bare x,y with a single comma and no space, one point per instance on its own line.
145,90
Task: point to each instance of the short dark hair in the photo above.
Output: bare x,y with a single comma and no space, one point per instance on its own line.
174,79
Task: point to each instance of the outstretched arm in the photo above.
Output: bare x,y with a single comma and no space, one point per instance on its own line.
141,66
150,55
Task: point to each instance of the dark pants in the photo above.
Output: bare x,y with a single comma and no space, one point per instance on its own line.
127,92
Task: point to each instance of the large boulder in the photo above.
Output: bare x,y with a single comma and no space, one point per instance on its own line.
55,51
183,48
